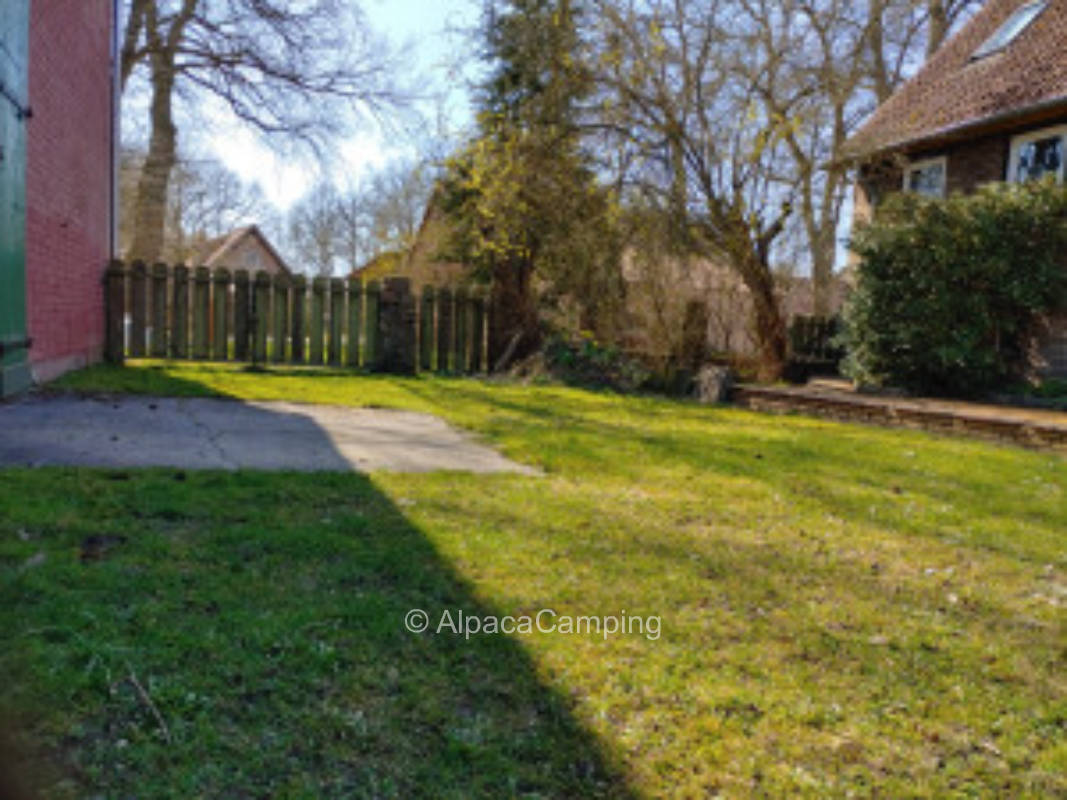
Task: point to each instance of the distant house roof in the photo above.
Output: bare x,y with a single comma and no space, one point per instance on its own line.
1003,65
214,252
381,265
421,262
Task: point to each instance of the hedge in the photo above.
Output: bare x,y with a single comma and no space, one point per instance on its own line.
951,293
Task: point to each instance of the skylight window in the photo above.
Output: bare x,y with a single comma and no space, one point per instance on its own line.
1010,30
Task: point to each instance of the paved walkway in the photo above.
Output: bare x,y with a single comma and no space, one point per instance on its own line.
836,399
227,434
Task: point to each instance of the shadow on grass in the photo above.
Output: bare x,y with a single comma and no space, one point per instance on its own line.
152,378
808,463
156,376
840,468
263,616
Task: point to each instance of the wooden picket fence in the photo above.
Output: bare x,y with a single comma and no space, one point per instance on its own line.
202,314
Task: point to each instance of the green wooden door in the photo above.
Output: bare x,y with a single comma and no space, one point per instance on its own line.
14,67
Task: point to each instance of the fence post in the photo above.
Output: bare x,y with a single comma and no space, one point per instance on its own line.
462,330
444,329
426,329
201,286
115,300
158,290
260,316
396,328
299,306
337,321
407,336
477,361
138,309
179,332
279,332
355,318
317,321
241,310
220,290
499,335
371,338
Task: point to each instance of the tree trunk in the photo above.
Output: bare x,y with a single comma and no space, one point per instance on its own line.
151,204
150,207
937,26
823,256
821,232
822,280
769,324
883,84
513,312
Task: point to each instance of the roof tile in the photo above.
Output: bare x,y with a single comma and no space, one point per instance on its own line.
953,90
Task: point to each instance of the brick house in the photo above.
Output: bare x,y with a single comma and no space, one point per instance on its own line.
57,121
243,248
989,105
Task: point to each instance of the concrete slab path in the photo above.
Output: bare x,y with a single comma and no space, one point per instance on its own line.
200,433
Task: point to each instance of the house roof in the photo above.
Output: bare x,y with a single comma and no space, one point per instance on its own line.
213,252
955,95
380,265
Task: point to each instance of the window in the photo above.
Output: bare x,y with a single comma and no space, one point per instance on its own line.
926,177
1008,32
1035,155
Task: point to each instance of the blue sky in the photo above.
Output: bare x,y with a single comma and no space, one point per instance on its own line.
436,52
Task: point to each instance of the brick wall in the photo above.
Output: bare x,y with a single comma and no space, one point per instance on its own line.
974,163
68,180
985,159
970,164
875,182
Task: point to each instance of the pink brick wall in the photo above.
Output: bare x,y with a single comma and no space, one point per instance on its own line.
68,181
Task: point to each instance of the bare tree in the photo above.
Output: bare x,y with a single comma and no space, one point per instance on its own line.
338,232
900,32
844,58
204,200
354,222
678,97
815,69
314,225
942,16
294,72
396,197
811,70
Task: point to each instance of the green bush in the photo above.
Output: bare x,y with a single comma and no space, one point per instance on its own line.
951,293
582,361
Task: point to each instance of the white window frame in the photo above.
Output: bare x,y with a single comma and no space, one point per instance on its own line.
916,166
1023,139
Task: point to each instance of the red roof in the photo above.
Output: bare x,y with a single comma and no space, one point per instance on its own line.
955,94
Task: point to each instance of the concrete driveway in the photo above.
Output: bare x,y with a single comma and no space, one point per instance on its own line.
227,434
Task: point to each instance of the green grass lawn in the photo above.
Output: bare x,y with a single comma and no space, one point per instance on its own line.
846,611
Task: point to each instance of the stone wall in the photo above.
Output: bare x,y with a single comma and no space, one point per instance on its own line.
1005,427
